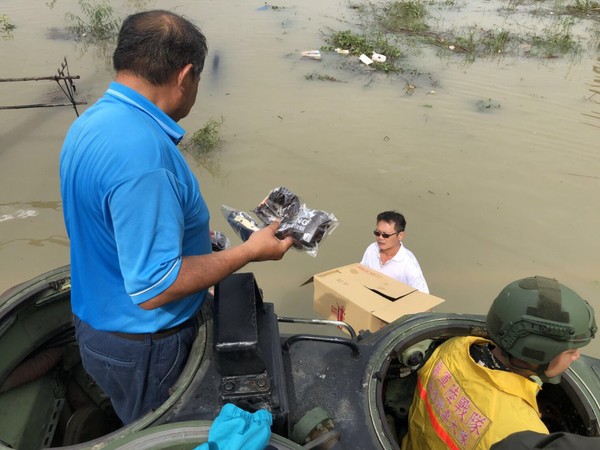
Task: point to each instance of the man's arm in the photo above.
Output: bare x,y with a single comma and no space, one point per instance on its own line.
416,277
202,271
418,282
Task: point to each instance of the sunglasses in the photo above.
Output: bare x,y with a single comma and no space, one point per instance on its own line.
385,235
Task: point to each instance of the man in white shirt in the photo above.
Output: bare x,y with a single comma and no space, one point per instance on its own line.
388,256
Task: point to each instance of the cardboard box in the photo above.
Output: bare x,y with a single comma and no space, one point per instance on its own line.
366,299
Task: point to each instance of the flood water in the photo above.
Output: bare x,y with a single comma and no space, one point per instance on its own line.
490,195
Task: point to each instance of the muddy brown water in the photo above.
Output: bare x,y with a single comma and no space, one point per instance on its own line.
490,195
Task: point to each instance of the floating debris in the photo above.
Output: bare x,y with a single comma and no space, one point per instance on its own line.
365,59
312,54
6,215
378,57
320,77
485,105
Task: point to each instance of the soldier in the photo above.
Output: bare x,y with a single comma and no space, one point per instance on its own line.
473,392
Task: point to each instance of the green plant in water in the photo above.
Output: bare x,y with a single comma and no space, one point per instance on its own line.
202,144
466,43
514,4
403,16
554,42
494,42
475,42
207,138
97,24
391,28
6,26
348,40
320,77
358,44
583,8
594,43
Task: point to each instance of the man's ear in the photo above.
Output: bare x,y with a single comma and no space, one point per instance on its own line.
185,71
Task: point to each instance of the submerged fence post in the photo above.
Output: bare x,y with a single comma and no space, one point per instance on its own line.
64,80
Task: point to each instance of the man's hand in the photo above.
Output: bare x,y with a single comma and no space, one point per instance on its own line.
265,246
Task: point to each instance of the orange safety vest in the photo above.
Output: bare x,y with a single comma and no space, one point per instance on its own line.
461,405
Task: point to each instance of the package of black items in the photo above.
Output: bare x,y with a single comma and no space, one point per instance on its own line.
219,241
242,223
280,204
307,227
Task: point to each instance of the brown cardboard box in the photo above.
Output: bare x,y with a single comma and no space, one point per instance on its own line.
366,299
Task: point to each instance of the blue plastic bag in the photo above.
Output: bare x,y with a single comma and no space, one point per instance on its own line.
236,429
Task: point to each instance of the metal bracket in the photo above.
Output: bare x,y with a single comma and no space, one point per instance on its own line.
245,386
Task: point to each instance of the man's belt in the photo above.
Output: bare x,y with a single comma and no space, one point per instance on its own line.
158,335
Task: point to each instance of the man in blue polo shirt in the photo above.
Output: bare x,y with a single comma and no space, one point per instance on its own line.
141,258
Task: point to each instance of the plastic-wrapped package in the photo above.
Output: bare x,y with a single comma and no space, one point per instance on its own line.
281,203
307,227
242,223
219,241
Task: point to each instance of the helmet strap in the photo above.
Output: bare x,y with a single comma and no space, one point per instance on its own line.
539,371
514,365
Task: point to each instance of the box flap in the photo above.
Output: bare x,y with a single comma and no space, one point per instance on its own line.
310,280
377,282
392,294
351,282
416,302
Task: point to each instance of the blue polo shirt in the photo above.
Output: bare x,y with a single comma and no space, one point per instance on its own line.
132,209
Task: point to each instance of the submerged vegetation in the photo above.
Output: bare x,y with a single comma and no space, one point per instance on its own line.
203,143
6,26
320,77
206,139
359,44
583,8
97,22
401,28
595,90
95,26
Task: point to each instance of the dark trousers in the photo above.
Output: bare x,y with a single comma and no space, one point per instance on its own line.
137,375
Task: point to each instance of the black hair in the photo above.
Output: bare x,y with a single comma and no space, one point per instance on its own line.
393,217
154,45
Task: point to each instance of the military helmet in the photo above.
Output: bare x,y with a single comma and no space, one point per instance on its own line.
537,318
